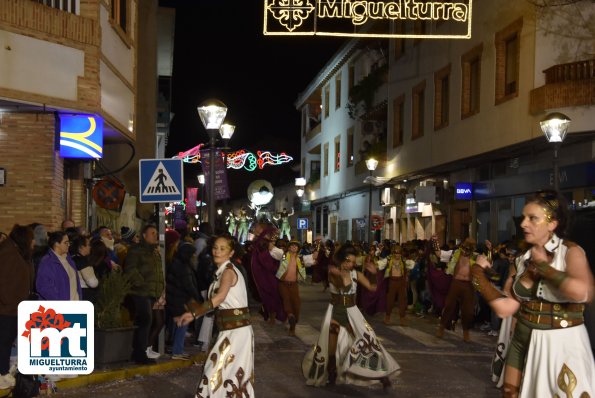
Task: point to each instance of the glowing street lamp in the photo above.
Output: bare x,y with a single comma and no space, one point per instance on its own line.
300,183
212,113
371,164
201,182
554,127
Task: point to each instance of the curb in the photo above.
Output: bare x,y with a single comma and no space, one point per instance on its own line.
129,372
126,372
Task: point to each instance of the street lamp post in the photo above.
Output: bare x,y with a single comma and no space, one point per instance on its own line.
300,183
212,112
201,182
371,164
554,127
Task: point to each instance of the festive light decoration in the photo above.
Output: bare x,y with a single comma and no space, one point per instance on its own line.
308,17
240,159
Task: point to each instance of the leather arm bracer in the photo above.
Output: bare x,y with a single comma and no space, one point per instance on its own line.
198,309
482,284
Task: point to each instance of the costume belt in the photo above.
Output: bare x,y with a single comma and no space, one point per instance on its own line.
232,318
541,306
555,315
345,300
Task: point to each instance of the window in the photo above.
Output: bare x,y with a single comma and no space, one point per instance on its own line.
399,43
326,159
327,100
315,170
417,114
337,154
65,5
338,90
507,61
441,97
471,69
119,12
351,81
398,120
350,141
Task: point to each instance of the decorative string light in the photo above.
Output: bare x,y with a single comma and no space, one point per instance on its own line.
240,159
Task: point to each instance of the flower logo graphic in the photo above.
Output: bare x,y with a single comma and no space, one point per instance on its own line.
43,319
290,13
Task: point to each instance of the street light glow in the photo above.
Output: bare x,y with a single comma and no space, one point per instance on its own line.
212,113
555,126
226,130
371,164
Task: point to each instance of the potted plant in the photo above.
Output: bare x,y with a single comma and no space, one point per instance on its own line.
113,327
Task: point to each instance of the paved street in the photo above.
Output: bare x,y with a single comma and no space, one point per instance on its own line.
431,367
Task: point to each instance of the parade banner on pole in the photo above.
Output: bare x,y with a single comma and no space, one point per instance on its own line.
221,187
191,194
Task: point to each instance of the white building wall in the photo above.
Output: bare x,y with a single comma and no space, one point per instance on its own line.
20,67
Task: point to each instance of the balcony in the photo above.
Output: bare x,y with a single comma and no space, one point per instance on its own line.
566,85
314,132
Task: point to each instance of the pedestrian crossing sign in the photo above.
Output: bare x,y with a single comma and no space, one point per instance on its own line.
161,180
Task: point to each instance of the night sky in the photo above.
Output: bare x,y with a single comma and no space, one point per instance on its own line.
220,52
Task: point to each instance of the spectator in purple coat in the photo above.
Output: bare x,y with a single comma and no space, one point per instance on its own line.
57,276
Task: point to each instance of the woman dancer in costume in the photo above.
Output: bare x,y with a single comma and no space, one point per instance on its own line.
229,369
549,354
347,350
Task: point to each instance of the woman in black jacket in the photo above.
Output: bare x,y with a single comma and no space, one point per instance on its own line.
181,287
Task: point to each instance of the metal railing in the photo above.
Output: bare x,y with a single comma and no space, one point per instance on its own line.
580,70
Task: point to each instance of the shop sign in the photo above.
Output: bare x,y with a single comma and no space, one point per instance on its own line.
80,136
347,18
464,191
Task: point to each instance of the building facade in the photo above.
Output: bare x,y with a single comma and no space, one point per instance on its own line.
80,57
454,124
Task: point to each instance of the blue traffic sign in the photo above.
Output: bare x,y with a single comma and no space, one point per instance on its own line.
161,180
302,223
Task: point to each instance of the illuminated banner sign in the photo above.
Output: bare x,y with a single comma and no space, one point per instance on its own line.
348,17
81,136
463,191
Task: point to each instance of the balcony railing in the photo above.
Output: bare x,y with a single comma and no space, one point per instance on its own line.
572,71
566,85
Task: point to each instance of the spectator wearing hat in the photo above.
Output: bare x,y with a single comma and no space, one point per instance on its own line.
290,272
461,293
128,237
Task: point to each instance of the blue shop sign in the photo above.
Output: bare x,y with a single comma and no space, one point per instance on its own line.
81,136
463,191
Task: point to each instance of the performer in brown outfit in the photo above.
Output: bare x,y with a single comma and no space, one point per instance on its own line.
461,290
290,272
396,274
